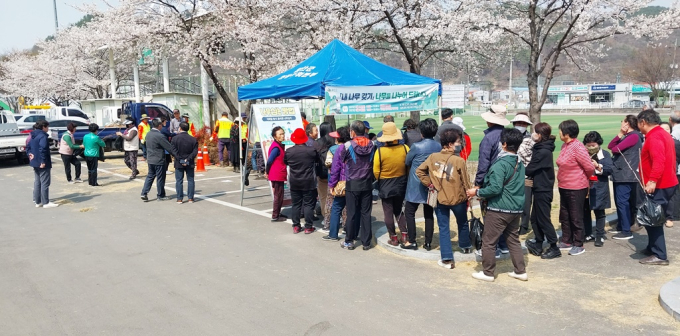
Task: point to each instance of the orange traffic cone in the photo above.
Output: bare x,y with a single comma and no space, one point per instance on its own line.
206,156
200,167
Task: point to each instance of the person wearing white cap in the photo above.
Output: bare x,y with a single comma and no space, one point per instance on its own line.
130,145
466,149
489,148
522,122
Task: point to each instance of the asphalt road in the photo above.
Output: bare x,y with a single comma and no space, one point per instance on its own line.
107,263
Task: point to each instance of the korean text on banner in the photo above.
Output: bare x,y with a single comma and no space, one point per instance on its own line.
380,99
268,116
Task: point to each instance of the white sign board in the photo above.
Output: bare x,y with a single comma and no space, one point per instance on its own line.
453,96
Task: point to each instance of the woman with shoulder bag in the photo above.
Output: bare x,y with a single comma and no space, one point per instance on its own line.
447,173
335,201
389,169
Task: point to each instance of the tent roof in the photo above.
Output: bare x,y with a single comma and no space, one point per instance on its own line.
337,64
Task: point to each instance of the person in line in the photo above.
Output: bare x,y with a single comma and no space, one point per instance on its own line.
38,150
386,119
489,149
92,144
447,173
143,129
276,172
674,121
235,144
447,123
304,120
389,169
157,144
598,199
673,212
304,162
356,155
174,122
168,157
336,201
192,129
625,148
186,148
467,149
223,131
657,169
66,147
312,134
521,122
503,188
541,171
130,146
411,134
322,145
575,169
416,192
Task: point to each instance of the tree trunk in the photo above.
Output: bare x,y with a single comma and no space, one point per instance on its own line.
415,116
233,110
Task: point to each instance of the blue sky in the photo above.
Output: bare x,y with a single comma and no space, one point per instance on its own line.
24,22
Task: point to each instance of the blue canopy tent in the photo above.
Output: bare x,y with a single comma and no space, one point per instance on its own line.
337,64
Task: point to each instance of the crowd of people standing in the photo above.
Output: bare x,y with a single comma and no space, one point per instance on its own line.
515,182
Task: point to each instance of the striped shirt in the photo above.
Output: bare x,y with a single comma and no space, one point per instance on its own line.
575,166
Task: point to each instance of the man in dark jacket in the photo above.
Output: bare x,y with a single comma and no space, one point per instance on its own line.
447,124
156,146
356,155
303,162
38,150
186,148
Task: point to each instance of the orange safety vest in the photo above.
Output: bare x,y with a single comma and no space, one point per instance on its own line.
143,130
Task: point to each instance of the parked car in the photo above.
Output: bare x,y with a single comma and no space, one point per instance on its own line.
59,126
12,142
25,122
635,103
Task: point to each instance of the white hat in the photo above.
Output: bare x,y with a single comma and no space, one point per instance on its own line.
127,122
521,117
496,115
459,122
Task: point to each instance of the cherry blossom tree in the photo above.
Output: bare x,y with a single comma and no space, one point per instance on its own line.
555,31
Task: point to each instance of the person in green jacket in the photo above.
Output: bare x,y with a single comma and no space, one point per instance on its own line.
503,188
92,143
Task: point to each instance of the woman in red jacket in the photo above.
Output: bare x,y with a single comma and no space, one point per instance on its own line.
276,171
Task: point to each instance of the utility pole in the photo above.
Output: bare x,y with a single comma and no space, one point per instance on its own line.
56,22
510,84
673,66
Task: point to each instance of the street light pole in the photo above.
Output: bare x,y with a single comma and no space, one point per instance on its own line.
673,66
56,22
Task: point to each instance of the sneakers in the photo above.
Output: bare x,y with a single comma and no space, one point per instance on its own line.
498,253
551,253
503,250
191,201
297,229
653,260
467,251
279,219
50,205
534,248
448,264
179,202
347,245
310,230
329,238
588,238
623,236
164,198
576,250
614,231
38,205
324,230
523,276
564,246
78,180
70,182
144,198
599,242
366,248
481,276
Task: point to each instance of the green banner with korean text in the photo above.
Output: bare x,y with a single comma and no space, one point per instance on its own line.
380,99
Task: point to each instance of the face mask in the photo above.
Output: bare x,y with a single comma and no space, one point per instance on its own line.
457,149
521,128
593,150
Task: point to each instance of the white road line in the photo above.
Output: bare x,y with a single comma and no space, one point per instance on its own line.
205,198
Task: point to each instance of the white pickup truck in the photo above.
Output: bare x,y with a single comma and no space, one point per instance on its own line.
12,141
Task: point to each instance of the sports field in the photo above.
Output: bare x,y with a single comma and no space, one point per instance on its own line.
607,125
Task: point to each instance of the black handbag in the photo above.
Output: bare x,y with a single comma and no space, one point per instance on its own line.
476,230
101,154
650,213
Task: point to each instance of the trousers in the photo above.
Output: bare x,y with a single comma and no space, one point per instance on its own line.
68,161
657,240
131,161
41,185
526,214
223,144
625,197
600,221
497,224
92,165
155,172
540,218
359,207
410,214
303,200
571,215
179,182
391,210
277,187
